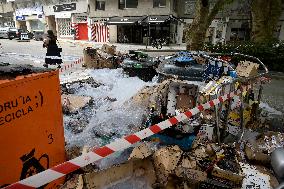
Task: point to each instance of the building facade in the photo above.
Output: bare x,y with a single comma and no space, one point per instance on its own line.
6,14
127,21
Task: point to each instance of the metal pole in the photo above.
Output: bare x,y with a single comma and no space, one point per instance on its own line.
217,118
258,100
229,109
242,116
148,32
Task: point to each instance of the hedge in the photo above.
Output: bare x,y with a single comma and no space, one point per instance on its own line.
271,54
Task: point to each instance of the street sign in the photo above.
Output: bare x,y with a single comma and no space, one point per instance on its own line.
20,18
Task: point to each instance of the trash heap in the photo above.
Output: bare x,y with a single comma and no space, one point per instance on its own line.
106,57
214,149
141,65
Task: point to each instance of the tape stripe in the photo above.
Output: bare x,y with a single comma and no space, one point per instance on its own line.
132,139
173,120
58,171
119,144
188,114
41,178
20,186
211,103
103,151
144,133
85,159
164,124
181,117
200,108
155,129
66,167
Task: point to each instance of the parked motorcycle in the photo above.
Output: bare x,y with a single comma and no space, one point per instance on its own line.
158,43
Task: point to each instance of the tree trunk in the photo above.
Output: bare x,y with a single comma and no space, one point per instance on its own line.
196,33
265,16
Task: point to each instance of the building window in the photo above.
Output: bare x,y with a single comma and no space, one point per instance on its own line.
124,4
159,3
100,5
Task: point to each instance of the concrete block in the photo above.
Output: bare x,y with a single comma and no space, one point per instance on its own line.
167,158
73,103
141,152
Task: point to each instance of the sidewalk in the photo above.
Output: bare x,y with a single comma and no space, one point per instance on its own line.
124,47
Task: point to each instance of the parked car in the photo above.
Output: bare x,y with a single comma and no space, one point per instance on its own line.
12,33
4,32
38,35
20,31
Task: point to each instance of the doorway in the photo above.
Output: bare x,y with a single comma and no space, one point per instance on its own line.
82,31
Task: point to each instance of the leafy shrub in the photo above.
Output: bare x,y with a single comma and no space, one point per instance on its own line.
271,53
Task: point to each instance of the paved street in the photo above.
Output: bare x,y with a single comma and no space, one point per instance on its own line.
33,53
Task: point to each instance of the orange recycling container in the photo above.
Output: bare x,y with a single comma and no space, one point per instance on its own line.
31,127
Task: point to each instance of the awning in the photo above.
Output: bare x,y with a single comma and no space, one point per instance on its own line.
125,20
161,19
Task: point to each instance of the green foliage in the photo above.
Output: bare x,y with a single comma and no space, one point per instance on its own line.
270,53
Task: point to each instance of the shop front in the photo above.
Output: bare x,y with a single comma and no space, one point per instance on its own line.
144,29
129,29
69,18
31,19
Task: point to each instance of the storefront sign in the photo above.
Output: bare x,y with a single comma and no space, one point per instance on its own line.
81,18
20,18
64,7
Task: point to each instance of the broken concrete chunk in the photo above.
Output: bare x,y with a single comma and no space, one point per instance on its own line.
76,182
229,175
191,174
141,152
167,158
187,163
200,153
72,103
106,177
254,154
108,49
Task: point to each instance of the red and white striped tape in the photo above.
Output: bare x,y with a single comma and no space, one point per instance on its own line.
69,66
65,168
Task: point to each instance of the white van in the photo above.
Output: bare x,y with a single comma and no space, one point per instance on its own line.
4,32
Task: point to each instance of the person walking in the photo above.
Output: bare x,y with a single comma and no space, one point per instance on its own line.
53,56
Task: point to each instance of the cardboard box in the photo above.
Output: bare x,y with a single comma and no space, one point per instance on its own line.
247,69
31,127
185,102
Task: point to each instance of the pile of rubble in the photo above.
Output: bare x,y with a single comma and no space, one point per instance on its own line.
106,57
214,149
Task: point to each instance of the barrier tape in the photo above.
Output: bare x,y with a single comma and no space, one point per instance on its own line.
65,168
69,66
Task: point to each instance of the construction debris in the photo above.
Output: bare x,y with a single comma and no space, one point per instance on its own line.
141,152
73,103
247,69
106,57
187,154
